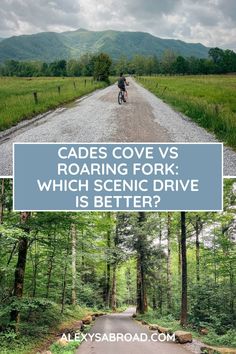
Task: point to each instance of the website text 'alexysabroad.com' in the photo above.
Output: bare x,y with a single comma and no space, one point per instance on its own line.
119,337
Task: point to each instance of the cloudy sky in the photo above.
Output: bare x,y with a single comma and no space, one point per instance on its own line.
211,22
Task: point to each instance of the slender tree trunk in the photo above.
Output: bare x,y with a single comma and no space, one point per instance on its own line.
160,299
20,269
179,254
108,265
169,275
184,300
113,290
215,261
2,200
232,284
128,282
197,249
82,276
160,288
113,301
35,271
50,266
74,272
63,295
141,283
154,300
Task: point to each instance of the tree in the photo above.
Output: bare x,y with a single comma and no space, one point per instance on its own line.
74,270
180,66
167,62
169,275
102,66
141,257
58,68
2,199
20,268
184,299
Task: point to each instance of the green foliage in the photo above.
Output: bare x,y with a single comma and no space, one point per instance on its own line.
70,348
17,100
108,244
102,65
212,338
208,100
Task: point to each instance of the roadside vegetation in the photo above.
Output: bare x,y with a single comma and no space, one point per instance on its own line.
209,335
17,100
177,269
43,325
209,100
25,93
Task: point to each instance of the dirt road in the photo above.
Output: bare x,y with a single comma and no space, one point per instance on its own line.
123,323
99,118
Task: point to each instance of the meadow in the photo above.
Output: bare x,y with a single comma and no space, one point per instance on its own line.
208,100
18,102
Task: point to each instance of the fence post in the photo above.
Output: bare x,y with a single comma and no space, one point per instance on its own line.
35,97
85,82
164,90
74,85
59,89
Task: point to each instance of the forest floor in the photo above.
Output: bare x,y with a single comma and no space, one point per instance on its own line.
99,118
40,335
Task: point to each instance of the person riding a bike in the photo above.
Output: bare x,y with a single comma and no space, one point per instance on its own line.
122,83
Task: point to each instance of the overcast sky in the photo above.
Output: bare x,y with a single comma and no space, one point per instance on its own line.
211,22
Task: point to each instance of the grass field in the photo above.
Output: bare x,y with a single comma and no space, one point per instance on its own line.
208,100
17,100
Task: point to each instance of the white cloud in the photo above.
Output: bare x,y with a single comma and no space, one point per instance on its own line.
212,22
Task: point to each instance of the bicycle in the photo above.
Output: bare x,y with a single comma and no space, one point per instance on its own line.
121,97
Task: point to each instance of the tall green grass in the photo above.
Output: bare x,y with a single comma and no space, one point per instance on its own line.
17,100
209,100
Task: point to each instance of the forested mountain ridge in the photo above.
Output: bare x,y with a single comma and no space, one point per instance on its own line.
49,46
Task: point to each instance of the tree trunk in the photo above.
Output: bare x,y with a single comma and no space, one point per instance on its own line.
179,253
154,300
141,284
184,300
232,285
169,292
35,271
2,200
113,290
74,272
197,249
63,295
160,298
20,269
108,266
50,265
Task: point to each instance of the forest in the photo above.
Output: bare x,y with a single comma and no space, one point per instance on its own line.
174,267
219,62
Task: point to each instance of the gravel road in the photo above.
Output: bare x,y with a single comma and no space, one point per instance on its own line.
99,118
123,323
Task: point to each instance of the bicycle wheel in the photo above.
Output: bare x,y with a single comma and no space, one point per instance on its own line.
120,97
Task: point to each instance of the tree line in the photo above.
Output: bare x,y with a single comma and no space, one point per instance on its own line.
177,264
101,66
97,66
